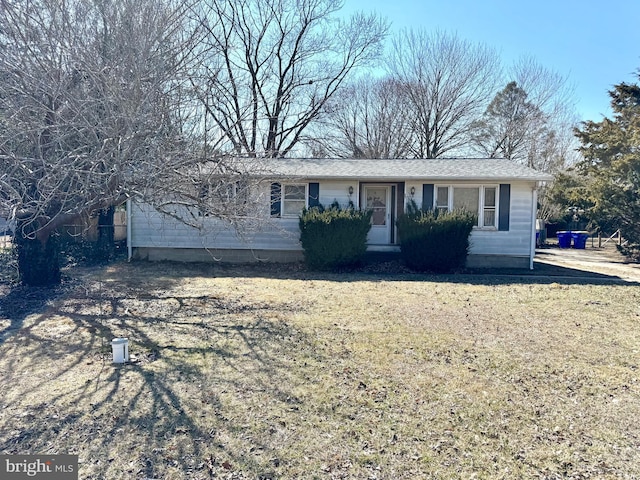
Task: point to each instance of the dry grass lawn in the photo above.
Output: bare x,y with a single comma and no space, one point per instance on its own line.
241,373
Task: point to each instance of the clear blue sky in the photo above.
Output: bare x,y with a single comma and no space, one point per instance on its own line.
596,43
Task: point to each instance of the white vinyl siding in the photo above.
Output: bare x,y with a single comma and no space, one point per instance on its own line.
152,229
516,241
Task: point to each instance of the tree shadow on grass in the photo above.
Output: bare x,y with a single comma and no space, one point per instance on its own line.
391,271
201,398
19,301
177,410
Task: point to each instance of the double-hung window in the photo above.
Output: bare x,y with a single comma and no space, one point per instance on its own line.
489,207
224,197
294,199
442,199
480,200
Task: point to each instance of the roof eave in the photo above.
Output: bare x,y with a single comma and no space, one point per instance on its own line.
391,178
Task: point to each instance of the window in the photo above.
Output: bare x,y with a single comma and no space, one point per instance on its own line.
466,198
226,197
489,213
294,199
481,200
442,198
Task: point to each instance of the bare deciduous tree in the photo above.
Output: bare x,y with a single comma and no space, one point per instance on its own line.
547,90
269,67
89,112
102,101
448,82
554,96
367,119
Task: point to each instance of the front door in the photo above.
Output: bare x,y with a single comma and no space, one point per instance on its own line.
378,199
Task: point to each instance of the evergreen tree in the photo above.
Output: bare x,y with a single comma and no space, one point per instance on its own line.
611,150
509,125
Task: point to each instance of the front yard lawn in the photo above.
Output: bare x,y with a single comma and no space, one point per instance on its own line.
237,373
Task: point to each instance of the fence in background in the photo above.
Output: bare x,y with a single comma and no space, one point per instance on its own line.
78,232
617,236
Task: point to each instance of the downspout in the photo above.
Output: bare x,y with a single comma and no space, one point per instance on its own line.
534,215
129,246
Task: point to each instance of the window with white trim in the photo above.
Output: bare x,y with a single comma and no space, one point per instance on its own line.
442,198
480,200
228,197
294,199
490,207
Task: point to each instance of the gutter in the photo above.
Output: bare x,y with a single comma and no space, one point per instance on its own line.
534,215
129,245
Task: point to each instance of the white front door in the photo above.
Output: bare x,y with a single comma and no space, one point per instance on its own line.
378,199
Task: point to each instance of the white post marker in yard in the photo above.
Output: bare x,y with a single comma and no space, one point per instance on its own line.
120,348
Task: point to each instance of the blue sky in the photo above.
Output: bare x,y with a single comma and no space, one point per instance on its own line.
595,43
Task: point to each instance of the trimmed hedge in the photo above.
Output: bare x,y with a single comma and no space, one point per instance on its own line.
334,238
435,241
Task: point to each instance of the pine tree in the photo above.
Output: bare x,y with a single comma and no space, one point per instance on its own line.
509,125
611,150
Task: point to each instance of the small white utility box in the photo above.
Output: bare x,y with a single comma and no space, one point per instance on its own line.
120,348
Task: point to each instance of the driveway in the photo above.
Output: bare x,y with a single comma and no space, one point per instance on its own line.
592,260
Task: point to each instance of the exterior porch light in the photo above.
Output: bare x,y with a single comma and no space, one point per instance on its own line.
350,190
413,191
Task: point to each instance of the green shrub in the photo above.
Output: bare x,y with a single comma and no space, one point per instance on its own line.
334,237
434,241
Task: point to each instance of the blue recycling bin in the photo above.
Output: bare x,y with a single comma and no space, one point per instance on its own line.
579,239
564,239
